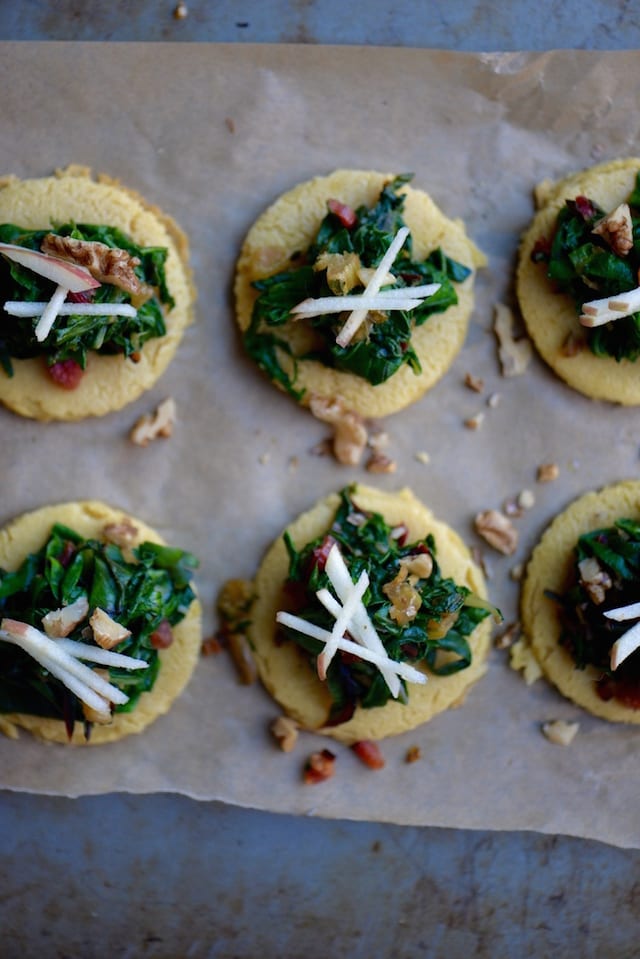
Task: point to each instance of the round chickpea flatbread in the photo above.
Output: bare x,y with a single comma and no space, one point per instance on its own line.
25,535
285,671
110,382
290,225
551,317
549,569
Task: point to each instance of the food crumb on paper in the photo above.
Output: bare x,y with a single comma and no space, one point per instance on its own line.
152,426
560,732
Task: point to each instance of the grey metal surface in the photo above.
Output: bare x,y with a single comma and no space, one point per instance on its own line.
166,877
446,24
163,876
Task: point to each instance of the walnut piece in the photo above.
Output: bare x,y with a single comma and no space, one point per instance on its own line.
106,631
150,426
547,472
379,462
616,229
106,264
560,732
120,534
349,432
61,622
475,383
498,530
594,579
514,353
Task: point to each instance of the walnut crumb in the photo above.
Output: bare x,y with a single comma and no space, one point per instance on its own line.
547,472
498,530
616,229
474,422
151,426
413,754
380,463
181,11
560,732
285,731
494,400
120,534
349,432
475,383
517,572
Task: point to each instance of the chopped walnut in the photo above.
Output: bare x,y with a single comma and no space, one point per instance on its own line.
181,11
380,463
106,264
516,573
151,426
106,631
498,530
512,508
560,732
547,472
595,580
285,731
413,754
514,353
61,622
319,767
474,422
120,534
474,383
418,565
349,435
616,229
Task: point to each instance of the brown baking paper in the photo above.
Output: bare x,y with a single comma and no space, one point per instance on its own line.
213,134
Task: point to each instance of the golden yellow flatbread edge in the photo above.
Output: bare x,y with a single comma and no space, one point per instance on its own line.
550,317
286,673
25,535
110,382
290,224
548,569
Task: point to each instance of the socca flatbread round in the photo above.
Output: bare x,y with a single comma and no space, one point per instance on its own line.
26,535
110,382
549,569
286,673
290,225
551,317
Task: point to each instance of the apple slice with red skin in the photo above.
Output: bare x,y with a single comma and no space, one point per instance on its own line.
71,276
